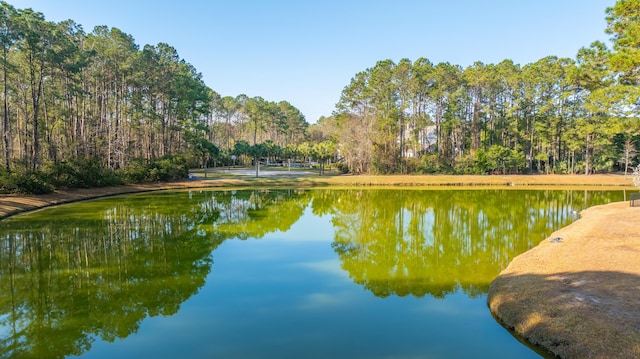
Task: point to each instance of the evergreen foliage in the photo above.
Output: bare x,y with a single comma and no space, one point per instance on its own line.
556,115
94,109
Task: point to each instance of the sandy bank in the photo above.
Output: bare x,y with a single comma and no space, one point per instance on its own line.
14,204
577,294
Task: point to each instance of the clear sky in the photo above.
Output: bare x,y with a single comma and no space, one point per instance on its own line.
306,51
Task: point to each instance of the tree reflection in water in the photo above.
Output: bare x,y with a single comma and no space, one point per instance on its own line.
74,273
97,269
436,242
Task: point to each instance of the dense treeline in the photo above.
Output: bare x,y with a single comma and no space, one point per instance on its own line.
91,109
251,128
556,115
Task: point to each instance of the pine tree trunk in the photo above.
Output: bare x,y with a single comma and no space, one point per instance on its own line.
6,127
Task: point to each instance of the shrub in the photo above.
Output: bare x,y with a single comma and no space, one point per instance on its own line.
135,172
32,183
63,175
411,165
430,164
93,173
80,173
167,168
466,164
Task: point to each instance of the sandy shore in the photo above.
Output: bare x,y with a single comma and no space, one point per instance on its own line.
577,294
14,204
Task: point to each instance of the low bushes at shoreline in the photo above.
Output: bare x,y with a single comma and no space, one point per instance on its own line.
91,173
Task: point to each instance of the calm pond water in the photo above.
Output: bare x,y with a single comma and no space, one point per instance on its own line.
361,273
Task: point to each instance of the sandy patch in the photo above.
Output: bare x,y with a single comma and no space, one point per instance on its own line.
577,294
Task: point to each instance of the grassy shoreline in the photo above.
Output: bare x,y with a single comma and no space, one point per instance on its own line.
13,204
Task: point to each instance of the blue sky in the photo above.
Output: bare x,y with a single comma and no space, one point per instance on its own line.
307,51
